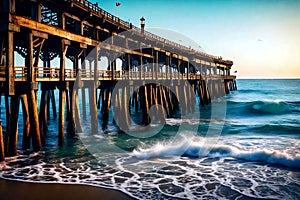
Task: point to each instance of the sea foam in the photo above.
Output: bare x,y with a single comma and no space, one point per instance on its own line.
199,149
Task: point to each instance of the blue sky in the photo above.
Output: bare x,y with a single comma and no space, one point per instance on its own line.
261,37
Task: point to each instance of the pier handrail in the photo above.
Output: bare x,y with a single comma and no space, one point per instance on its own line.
97,10
53,74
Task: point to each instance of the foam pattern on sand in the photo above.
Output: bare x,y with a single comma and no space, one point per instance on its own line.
171,177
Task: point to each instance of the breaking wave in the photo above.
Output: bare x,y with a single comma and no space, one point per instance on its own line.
198,149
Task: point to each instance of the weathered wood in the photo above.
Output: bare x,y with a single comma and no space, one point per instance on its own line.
43,111
10,78
31,24
93,109
29,59
53,103
26,123
145,106
7,119
169,101
208,94
13,127
61,117
183,98
77,113
99,99
68,105
125,108
62,54
2,152
34,121
0,104
71,122
106,107
96,59
83,93
117,115
192,97
137,100
161,101
201,93
176,98
165,100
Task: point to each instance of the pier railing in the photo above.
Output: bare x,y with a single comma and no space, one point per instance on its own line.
42,74
95,9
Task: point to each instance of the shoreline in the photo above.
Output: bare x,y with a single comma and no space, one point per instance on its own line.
13,189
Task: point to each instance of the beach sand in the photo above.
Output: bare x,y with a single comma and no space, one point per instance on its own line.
14,190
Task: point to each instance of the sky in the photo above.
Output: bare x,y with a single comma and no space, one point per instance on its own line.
261,37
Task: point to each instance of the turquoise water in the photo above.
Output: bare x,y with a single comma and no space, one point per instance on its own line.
244,146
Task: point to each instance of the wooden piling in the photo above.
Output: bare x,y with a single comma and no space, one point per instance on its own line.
77,113
43,110
201,92
117,106
54,113
121,110
0,104
226,87
145,106
125,107
7,114
13,133
68,105
61,118
83,103
48,102
71,122
183,100
136,100
34,121
166,104
2,152
43,115
161,101
106,107
26,123
99,99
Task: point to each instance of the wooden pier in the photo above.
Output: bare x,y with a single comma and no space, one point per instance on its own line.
41,31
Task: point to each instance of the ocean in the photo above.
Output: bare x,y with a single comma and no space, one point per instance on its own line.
243,146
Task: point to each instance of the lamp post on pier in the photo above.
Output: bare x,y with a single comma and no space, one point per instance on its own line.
142,25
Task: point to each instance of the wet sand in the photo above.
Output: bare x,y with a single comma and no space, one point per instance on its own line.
14,190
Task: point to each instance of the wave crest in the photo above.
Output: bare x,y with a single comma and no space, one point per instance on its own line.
197,149
272,107
267,106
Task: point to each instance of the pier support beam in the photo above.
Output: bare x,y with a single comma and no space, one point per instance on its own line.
2,152
10,79
34,121
71,123
26,123
13,133
93,108
61,118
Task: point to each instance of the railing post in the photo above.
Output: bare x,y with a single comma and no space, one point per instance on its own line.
188,70
129,65
141,67
97,49
156,65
